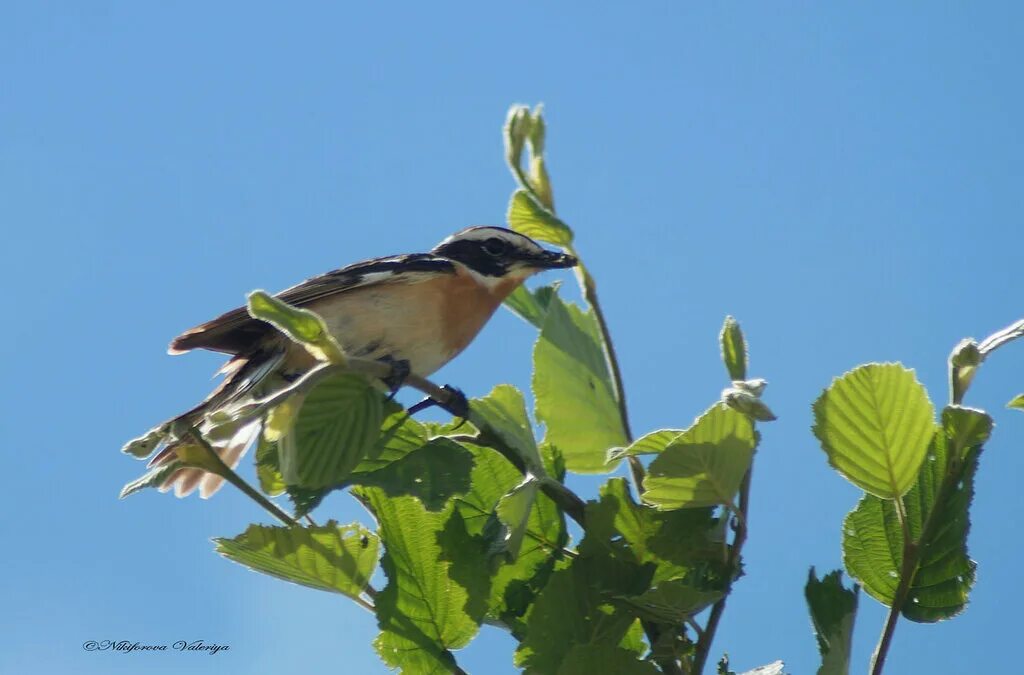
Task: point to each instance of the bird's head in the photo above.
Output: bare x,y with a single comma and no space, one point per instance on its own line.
496,253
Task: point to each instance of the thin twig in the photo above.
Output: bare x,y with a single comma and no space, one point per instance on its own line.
700,656
229,475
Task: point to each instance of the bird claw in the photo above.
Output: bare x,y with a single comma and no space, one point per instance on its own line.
456,404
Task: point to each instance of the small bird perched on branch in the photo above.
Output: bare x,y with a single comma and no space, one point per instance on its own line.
415,312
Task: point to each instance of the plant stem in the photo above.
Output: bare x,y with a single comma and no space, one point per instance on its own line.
902,590
700,657
229,475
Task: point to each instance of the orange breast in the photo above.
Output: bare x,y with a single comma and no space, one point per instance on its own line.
468,305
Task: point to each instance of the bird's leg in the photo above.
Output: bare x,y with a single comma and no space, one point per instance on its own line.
399,373
456,404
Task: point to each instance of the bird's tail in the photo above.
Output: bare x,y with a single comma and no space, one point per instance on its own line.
244,377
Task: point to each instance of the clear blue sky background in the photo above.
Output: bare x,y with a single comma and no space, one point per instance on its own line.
845,178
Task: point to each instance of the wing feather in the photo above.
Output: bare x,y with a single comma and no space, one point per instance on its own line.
236,332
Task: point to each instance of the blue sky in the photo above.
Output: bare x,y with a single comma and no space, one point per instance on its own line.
842,177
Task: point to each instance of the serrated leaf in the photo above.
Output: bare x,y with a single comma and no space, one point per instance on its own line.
573,389
574,609
433,473
503,413
671,602
422,612
340,559
528,217
268,469
734,349
965,427
300,325
400,434
875,423
681,544
833,609
335,429
531,306
1016,402
514,584
704,465
873,538
513,512
648,444
604,658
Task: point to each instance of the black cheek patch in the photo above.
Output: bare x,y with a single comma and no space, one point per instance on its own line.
472,255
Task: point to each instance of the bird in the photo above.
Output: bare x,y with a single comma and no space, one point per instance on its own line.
414,311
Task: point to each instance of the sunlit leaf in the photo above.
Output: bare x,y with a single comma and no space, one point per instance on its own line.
833,609
704,465
268,467
604,658
513,584
422,612
337,426
671,602
531,305
873,538
513,512
433,473
875,423
528,217
329,557
573,389
301,325
503,413
734,349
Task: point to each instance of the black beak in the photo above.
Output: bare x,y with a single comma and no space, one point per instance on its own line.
549,260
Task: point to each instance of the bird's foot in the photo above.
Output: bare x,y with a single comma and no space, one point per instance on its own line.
400,371
456,404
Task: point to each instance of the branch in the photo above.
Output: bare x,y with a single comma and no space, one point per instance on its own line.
229,475
700,657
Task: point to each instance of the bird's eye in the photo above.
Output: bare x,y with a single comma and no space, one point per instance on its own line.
495,247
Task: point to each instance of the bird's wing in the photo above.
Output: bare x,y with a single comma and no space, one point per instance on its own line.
236,332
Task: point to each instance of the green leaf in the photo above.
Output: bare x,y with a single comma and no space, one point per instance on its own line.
400,435
300,325
873,538
531,306
705,465
573,389
268,467
682,544
833,609
604,658
330,557
671,602
874,423
1017,402
424,611
648,444
433,474
734,349
503,413
513,512
514,584
575,608
338,424
527,216
516,131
